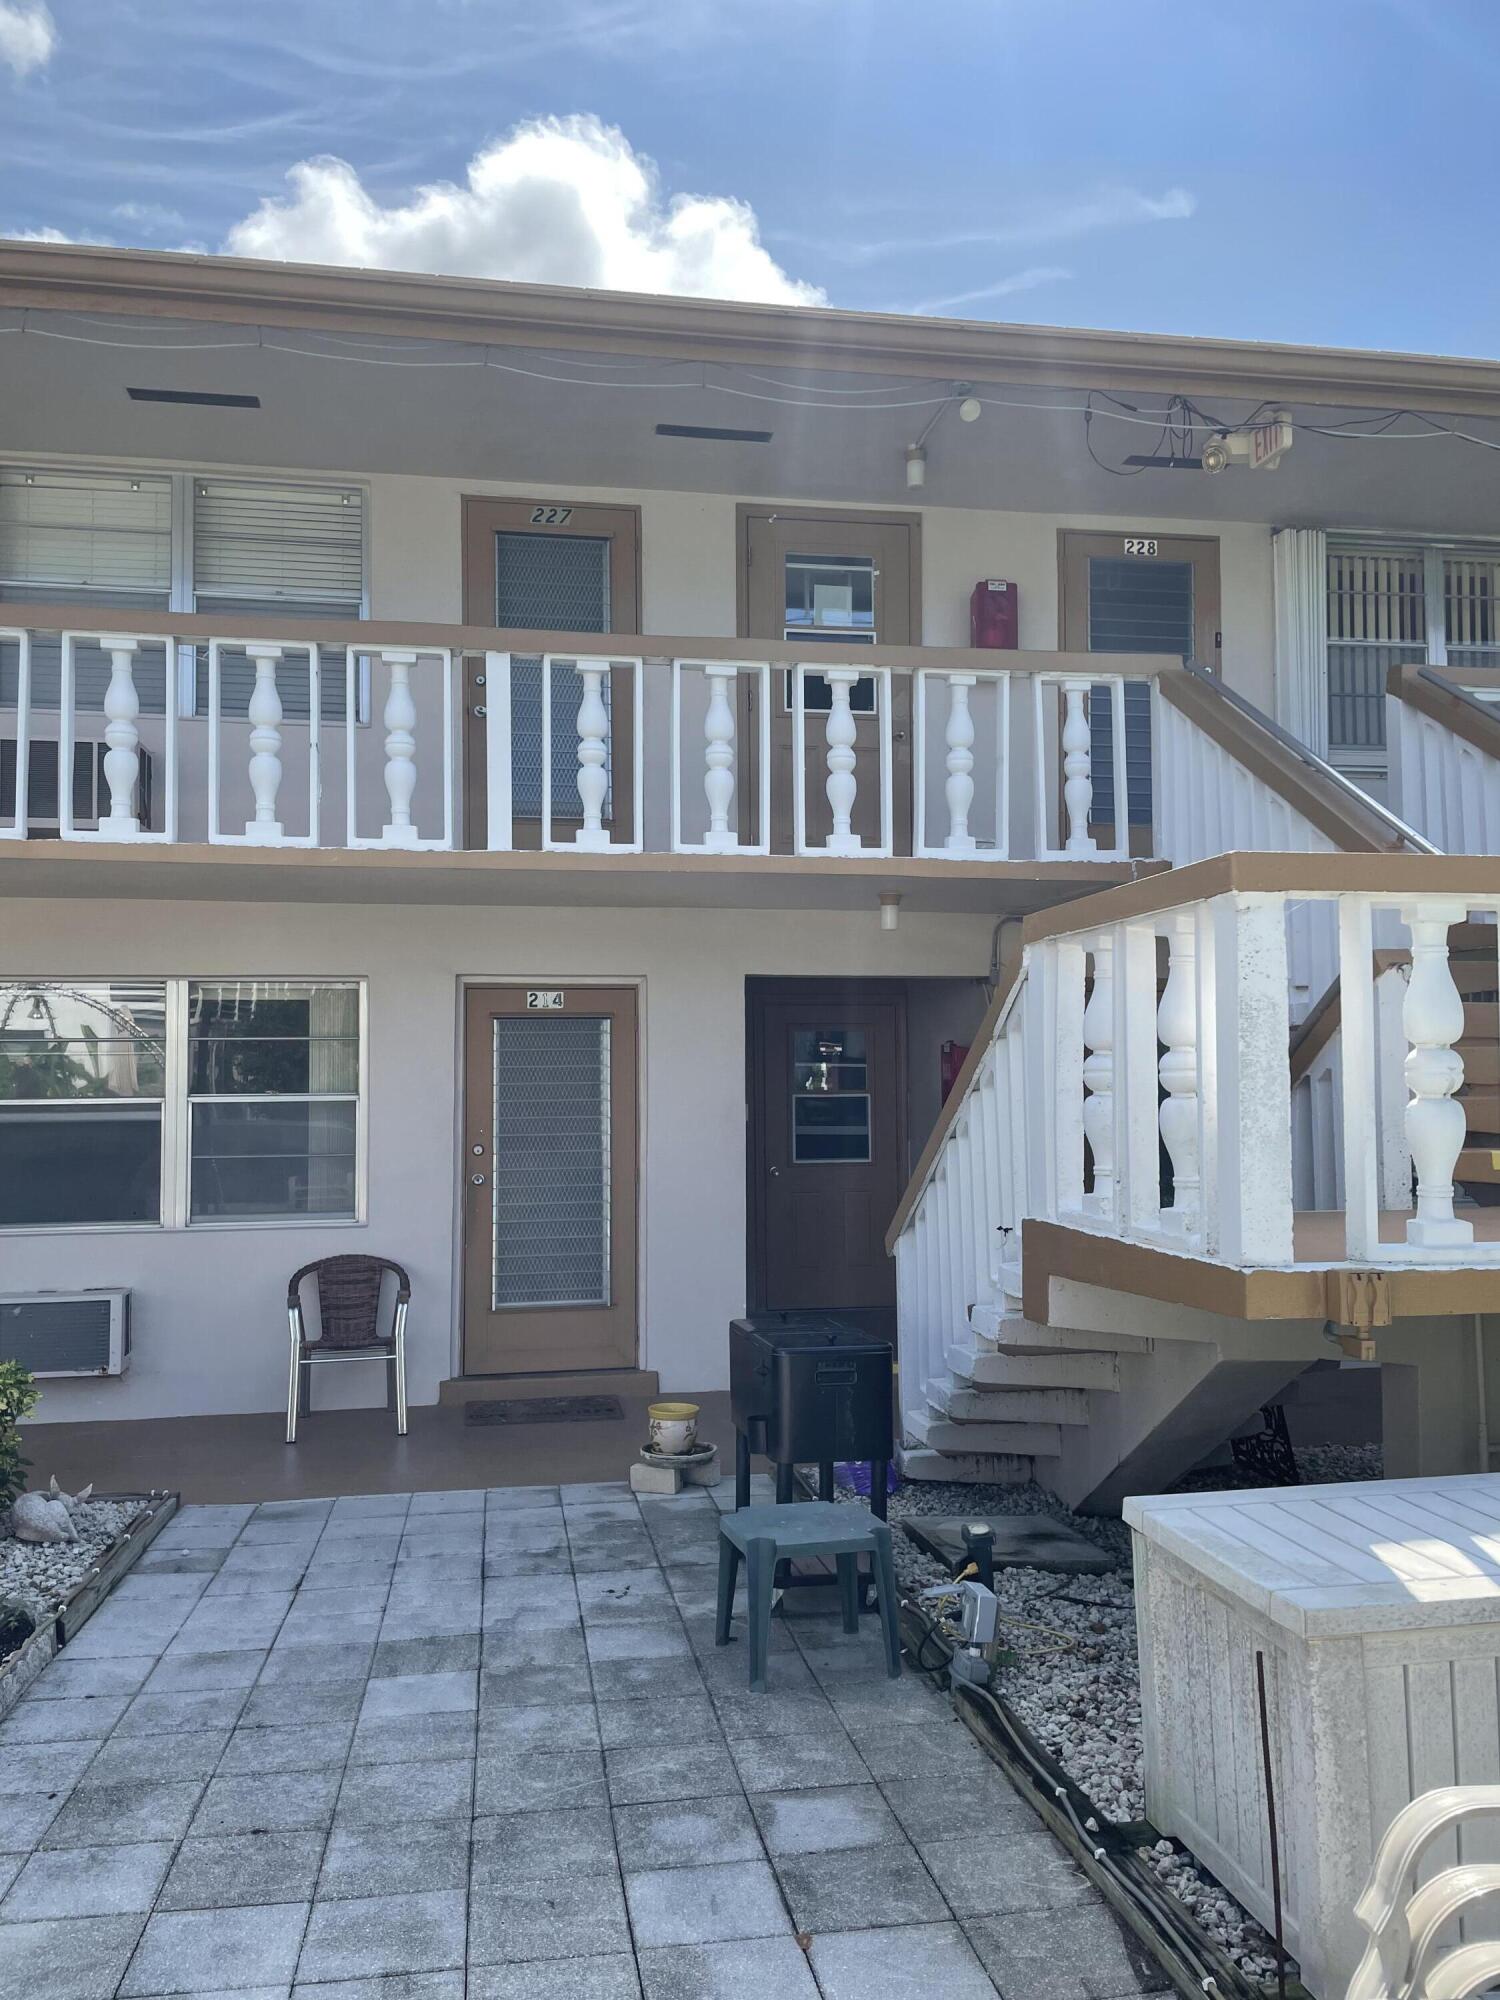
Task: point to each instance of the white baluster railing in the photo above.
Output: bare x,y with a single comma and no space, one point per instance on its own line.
841,758
1099,1077
1177,1030
721,778
1433,1019
125,751
263,768
420,756
967,833
1064,708
598,756
1411,1955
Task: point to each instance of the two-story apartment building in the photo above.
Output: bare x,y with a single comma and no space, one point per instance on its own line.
552,785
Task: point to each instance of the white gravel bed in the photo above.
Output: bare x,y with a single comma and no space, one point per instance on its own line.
39,1575
1073,1677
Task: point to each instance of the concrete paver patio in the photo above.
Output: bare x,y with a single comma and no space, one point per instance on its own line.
481,1746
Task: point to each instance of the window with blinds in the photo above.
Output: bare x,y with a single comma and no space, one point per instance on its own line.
1135,606
85,538
260,548
549,583
1470,631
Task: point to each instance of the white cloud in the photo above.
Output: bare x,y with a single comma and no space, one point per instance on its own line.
28,35
562,201
1020,281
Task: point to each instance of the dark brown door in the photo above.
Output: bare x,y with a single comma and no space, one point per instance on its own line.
549,1167
833,586
544,566
1138,593
827,1140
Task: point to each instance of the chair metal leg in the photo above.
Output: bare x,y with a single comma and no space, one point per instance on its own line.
760,1567
741,1470
292,1387
885,1582
848,1568
729,1566
304,1391
400,1363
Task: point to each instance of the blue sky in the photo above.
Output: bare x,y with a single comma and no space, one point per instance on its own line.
1321,171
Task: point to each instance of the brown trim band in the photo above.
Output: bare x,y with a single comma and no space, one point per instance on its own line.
1320,800
179,285
1052,1250
1431,692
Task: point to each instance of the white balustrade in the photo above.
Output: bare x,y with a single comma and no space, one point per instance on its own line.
400,720
122,761
597,720
1177,1029
1411,1954
1099,1078
965,835
1433,1019
265,714
1069,804
841,758
722,781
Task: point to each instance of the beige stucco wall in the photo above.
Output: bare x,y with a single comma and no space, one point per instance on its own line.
209,1304
688,564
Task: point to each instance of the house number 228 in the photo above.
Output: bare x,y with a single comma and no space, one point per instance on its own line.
1140,545
551,517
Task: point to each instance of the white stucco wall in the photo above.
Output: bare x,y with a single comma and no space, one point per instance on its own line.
688,564
209,1303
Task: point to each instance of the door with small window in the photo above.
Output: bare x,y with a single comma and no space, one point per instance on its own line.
547,566
549,1170
833,586
827,1137
1136,593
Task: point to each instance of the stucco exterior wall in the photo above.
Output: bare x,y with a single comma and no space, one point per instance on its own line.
209,1320
688,563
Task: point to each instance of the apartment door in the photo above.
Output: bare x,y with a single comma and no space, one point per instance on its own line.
827,1142
544,566
832,584
550,1169
1136,594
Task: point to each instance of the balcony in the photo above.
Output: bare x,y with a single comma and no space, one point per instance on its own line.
452,758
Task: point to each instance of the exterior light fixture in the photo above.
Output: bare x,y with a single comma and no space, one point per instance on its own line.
890,910
970,409
916,465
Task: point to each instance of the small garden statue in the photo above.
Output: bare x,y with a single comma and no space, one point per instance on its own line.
47,1517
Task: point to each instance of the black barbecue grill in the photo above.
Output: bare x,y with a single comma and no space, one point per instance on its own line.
808,1388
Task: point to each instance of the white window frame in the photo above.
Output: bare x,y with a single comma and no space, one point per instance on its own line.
182,597
176,1113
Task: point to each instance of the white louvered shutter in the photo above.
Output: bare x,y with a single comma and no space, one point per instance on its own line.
1377,619
1471,589
261,548
101,540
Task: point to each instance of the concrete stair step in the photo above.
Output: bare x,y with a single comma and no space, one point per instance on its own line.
1055,1369
964,1468
1021,1439
963,1405
1012,1333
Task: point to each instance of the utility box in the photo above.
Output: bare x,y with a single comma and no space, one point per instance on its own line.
994,615
1375,1607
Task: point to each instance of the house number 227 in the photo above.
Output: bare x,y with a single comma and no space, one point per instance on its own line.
551,517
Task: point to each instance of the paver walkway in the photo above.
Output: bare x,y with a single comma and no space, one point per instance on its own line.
481,1746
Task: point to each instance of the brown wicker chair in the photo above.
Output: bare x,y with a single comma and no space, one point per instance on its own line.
348,1291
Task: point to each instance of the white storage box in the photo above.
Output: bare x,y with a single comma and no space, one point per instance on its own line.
1377,1608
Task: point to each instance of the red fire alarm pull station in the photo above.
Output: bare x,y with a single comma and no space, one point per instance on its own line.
994,614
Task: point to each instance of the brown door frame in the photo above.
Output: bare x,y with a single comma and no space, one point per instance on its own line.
747,516
477,998
1202,551
485,514
761,990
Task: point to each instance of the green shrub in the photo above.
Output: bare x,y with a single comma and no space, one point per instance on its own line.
18,1398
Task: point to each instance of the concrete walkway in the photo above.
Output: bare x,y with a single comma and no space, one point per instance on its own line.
481,1746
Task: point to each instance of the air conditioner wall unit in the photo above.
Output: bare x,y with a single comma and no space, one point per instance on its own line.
66,1333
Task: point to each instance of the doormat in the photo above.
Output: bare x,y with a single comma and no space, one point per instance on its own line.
546,1410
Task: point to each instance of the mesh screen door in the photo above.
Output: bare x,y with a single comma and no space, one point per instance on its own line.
551,1119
